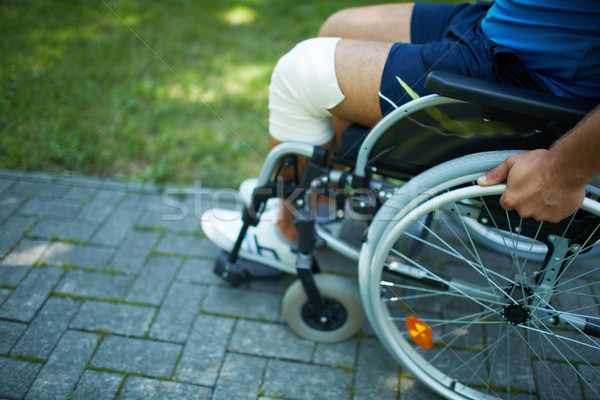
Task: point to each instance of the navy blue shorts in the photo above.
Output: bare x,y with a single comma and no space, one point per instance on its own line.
449,38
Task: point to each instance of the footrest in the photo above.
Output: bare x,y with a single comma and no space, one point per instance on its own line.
243,271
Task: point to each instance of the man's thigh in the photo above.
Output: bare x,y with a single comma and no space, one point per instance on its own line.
382,23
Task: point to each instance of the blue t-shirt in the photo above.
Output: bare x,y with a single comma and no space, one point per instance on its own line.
558,40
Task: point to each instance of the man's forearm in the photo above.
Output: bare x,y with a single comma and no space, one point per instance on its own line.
577,154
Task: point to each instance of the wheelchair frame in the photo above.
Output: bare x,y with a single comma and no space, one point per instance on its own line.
322,306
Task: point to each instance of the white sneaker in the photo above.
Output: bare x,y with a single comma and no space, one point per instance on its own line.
247,188
263,243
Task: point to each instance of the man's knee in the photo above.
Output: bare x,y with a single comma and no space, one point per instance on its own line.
303,88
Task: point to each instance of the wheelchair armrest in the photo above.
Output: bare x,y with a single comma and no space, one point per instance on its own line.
509,100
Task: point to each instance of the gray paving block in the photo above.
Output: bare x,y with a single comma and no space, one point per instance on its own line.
270,340
16,377
204,351
31,294
11,276
590,377
102,205
178,312
309,381
51,208
67,361
84,256
5,183
10,332
134,251
97,385
94,285
117,318
377,374
187,245
146,357
240,378
81,193
64,229
242,303
26,253
154,280
43,189
4,293
164,219
46,329
115,229
9,204
411,389
198,271
12,230
138,388
548,384
342,353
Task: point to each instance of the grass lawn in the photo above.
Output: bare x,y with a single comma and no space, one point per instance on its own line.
163,92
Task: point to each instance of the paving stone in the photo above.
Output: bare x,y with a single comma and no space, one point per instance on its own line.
63,229
26,253
154,280
31,294
187,245
204,351
117,318
146,357
342,353
115,229
4,293
42,189
136,387
83,194
134,251
16,377
94,285
84,256
411,389
568,386
6,183
310,381
9,204
242,303
67,361
270,340
101,206
12,231
377,374
51,208
11,276
46,329
590,380
240,377
10,332
198,271
164,220
177,313
97,385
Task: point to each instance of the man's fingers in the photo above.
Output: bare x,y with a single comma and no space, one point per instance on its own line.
495,176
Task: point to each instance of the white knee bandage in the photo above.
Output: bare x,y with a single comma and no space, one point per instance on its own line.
303,89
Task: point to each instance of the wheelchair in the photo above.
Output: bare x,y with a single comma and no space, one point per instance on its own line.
474,301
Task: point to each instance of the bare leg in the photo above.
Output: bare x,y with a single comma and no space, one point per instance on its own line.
360,84
382,23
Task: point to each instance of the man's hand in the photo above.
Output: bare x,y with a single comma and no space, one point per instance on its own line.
536,186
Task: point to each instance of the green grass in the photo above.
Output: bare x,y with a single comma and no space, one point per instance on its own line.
168,92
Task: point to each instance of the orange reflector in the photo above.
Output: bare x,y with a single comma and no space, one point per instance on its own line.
419,331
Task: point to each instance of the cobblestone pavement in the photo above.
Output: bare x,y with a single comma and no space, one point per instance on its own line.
107,292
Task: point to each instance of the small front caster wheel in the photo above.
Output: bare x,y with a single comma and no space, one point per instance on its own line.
343,315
